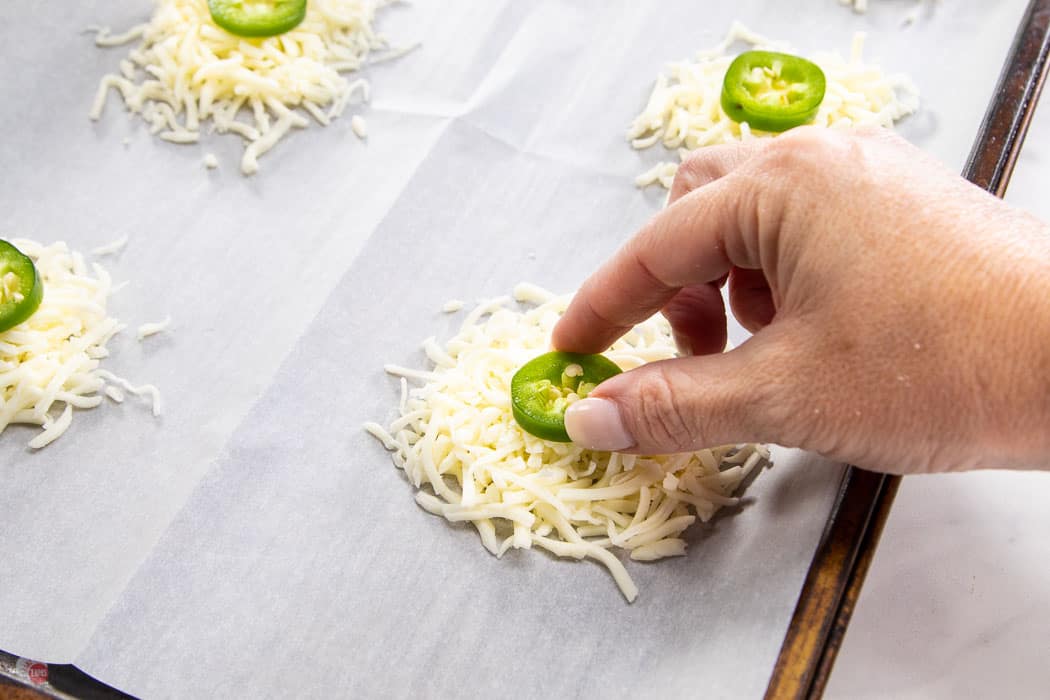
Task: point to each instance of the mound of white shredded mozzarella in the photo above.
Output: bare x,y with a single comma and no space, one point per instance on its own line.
187,70
684,111
50,364
458,442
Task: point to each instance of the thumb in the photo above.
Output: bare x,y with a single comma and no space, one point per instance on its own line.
690,403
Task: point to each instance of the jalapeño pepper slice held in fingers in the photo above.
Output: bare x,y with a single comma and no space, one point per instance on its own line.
20,287
545,386
257,18
772,91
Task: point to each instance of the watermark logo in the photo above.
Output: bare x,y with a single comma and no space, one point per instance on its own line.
33,671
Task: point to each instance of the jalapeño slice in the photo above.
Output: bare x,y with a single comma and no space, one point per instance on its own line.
20,287
257,18
545,386
772,91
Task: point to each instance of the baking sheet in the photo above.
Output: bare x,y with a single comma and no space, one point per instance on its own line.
253,541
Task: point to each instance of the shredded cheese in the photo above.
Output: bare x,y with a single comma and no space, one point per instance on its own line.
458,443
186,71
359,126
148,329
51,362
111,248
684,111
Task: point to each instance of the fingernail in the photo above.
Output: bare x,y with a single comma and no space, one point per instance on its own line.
597,425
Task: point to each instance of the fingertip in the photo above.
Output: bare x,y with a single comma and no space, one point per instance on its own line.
558,337
567,336
582,329
683,343
698,320
751,299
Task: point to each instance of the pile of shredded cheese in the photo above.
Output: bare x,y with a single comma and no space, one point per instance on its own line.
458,442
187,70
50,364
684,111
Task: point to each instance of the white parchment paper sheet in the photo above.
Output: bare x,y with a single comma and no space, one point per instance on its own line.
254,541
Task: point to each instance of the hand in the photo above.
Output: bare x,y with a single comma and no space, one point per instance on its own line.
901,316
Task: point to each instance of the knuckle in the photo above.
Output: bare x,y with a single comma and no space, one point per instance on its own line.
871,132
810,149
694,172
660,417
705,165
772,399
775,416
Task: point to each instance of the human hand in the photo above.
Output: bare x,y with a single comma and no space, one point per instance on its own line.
901,315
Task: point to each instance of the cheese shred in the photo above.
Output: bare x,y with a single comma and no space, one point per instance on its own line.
111,248
187,71
684,111
148,329
458,443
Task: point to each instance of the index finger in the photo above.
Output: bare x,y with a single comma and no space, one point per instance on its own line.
695,240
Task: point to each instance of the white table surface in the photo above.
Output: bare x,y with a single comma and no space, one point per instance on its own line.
957,601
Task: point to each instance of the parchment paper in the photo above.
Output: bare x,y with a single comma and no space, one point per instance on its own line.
254,542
